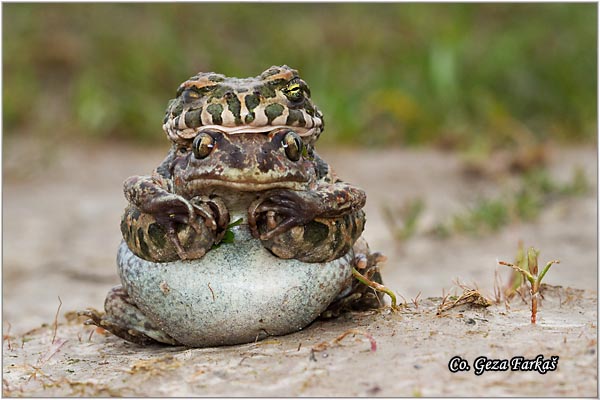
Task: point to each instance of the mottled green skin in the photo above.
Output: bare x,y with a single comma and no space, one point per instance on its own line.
276,98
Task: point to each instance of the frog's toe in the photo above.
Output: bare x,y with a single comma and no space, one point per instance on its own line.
213,210
124,319
359,296
130,335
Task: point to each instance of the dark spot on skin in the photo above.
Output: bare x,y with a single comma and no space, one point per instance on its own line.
321,167
192,118
164,169
157,235
353,225
309,109
266,159
125,228
277,82
135,214
215,110
315,232
232,154
235,108
338,238
266,91
143,245
273,111
220,92
295,116
205,90
252,100
190,95
216,78
177,107
358,223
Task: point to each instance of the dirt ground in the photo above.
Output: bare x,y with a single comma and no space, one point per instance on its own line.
60,234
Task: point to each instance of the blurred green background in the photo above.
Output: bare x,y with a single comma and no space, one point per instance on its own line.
451,75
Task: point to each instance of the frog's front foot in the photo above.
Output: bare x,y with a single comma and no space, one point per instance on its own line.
124,319
175,228
290,225
279,211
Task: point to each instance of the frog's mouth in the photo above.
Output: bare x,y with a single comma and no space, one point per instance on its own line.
202,184
188,133
301,131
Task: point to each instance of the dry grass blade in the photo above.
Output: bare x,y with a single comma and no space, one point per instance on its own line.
325,345
56,320
469,296
357,332
415,301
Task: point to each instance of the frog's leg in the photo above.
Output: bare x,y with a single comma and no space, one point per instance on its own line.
151,237
162,226
319,240
358,296
124,319
311,226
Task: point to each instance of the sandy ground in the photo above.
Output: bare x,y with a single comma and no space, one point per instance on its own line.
71,198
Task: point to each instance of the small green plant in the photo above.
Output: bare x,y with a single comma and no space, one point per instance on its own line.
403,220
486,215
579,184
377,286
229,235
530,273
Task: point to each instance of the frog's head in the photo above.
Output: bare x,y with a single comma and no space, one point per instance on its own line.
251,162
277,98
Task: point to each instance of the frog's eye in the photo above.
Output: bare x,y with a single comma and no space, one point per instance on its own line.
202,146
189,95
294,92
292,144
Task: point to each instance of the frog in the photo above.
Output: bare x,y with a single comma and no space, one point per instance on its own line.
242,165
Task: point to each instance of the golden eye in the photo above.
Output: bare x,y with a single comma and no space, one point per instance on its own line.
293,146
293,92
203,145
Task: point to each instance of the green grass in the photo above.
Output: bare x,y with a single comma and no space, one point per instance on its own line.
456,75
536,191
403,220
